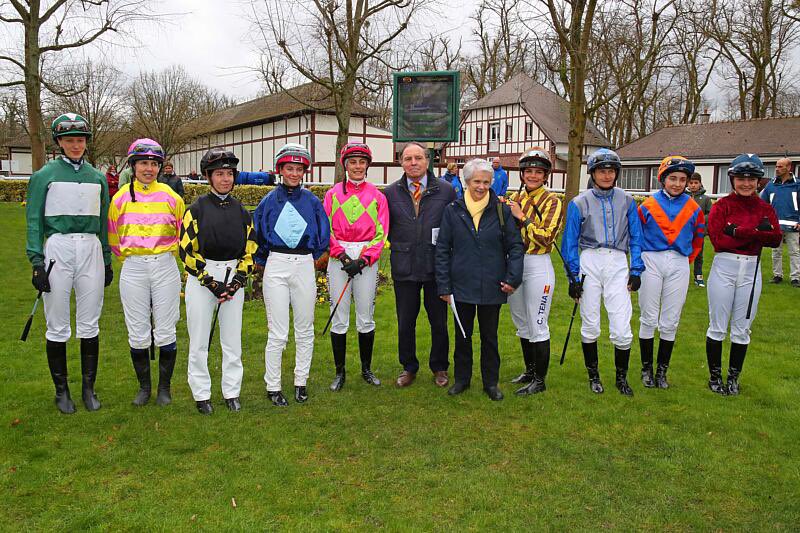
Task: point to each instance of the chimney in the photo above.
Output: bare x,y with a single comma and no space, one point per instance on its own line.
703,117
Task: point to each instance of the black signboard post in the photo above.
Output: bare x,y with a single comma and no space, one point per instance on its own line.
426,107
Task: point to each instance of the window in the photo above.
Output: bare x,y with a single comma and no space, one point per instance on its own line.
769,170
529,131
723,185
654,185
478,135
462,136
460,161
633,178
494,137
509,132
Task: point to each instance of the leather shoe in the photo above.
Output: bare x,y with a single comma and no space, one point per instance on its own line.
204,407
300,394
457,388
233,404
440,378
277,398
494,393
405,378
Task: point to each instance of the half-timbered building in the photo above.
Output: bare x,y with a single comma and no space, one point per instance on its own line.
518,115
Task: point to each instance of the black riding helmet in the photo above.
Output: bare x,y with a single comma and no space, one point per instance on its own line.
218,158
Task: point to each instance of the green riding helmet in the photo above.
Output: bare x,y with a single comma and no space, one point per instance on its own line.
70,124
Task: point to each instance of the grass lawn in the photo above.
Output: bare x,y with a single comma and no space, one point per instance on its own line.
365,458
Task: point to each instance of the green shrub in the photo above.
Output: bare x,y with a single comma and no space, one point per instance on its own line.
13,190
249,195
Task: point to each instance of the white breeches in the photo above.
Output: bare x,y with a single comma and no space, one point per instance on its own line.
663,293
361,289
78,265
606,273
200,307
530,303
150,282
289,280
729,285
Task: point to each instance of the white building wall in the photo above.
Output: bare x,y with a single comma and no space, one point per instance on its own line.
24,162
518,139
256,146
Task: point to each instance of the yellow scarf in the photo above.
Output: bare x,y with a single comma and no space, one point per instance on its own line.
476,208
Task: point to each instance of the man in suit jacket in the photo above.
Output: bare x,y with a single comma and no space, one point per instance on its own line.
416,203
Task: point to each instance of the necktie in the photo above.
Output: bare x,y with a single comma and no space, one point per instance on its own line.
417,191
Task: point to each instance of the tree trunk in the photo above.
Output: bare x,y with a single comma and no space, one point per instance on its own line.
577,120
33,90
343,114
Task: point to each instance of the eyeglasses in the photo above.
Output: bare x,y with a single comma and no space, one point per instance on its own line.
71,125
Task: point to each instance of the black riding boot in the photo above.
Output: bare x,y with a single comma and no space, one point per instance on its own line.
166,365
90,350
738,352
714,357
57,361
621,360
339,346
528,355
664,355
590,360
365,343
646,352
541,360
141,365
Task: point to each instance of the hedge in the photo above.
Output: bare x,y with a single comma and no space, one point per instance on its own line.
249,195
13,190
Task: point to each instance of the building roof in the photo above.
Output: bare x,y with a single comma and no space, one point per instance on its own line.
15,141
766,137
548,110
297,100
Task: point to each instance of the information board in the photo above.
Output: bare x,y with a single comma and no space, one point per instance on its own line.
426,106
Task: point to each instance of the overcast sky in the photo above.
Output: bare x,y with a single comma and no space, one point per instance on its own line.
212,40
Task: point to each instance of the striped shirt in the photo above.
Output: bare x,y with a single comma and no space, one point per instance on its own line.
542,223
148,226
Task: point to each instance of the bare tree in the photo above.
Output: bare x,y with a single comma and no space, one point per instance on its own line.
103,103
163,104
46,30
503,47
572,22
330,42
754,38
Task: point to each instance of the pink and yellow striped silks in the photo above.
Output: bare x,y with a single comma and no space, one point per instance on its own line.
150,225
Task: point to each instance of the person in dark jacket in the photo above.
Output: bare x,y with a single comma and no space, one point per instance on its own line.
783,194
168,177
452,177
416,203
698,194
479,262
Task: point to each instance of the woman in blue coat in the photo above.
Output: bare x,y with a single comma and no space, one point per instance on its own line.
479,262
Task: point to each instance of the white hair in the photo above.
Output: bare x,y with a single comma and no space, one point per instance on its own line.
477,165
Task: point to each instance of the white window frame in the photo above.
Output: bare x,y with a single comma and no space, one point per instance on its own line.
637,174
494,137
